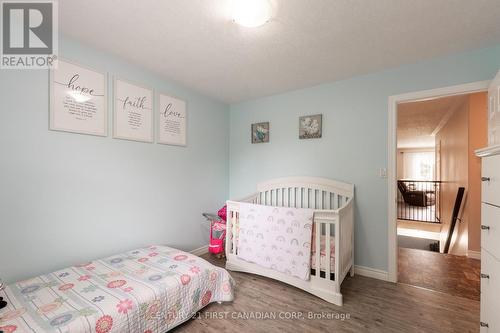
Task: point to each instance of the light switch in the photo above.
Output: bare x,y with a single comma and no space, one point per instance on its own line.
383,173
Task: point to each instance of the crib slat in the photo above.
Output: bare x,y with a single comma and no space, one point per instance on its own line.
306,198
327,251
229,236
339,250
313,198
318,249
296,196
293,197
234,231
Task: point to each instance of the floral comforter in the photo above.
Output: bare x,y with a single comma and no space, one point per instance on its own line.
147,290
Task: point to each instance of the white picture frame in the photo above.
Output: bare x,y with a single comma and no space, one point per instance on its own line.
172,121
133,107
78,99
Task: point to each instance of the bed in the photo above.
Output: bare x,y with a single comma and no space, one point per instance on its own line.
332,232
151,289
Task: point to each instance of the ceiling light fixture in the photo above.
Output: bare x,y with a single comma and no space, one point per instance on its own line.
251,13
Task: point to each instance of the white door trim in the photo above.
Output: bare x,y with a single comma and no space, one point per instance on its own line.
467,88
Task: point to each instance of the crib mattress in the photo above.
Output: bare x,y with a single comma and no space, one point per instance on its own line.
150,289
323,259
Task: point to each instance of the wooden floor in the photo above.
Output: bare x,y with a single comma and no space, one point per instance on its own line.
369,306
454,275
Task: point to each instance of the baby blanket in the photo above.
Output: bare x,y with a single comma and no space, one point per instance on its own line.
278,238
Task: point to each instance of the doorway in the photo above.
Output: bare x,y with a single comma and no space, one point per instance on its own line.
432,204
439,196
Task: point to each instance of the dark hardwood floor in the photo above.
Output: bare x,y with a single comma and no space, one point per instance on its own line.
450,274
369,306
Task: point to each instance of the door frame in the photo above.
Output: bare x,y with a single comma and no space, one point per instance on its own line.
468,88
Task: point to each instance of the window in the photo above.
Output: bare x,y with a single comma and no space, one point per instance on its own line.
419,165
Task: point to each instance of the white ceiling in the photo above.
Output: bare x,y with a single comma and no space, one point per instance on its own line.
418,122
195,42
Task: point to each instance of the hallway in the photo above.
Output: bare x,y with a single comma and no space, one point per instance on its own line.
447,273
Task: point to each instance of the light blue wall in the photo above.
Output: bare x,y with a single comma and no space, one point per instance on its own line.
354,143
67,198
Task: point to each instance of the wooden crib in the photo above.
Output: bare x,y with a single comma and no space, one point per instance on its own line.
332,202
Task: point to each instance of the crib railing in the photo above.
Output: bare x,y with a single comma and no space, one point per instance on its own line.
326,223
232,225
300,197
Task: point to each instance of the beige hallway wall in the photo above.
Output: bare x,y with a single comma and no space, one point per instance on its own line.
454,174
478,138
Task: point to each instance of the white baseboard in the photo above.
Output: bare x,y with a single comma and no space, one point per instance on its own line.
474,254
200,251
371,273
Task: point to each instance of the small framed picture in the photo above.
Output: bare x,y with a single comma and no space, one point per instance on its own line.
310,127
260,132
133,112
78,101
172,121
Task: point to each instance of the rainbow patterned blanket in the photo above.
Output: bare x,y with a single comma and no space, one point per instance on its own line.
278,238
147,290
